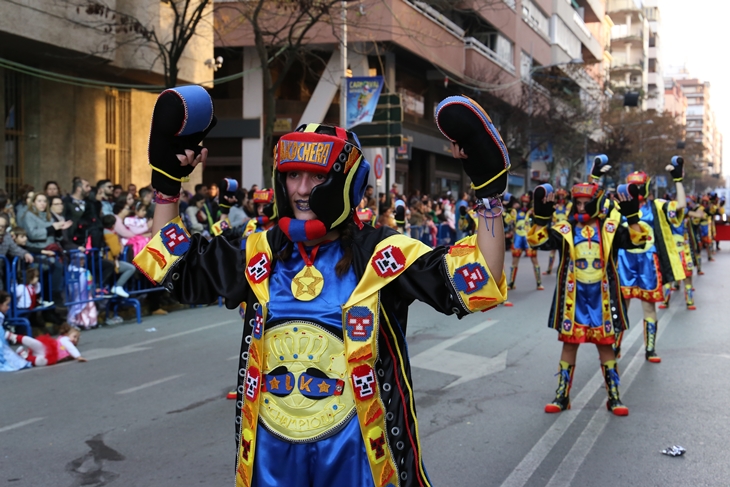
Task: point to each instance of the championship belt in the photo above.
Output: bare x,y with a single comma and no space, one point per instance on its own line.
304,393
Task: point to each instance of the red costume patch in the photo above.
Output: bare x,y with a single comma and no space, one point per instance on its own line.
389,261
253,383
259,267
363,381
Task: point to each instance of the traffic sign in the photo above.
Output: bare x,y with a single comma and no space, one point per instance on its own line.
378,163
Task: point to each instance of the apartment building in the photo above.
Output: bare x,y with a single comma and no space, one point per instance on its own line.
675,101
56,65
654,65
491,50
701,127
629,46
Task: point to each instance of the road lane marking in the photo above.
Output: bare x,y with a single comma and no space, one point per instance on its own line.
534,458
20,425
568,468
465,366
98,353
149,384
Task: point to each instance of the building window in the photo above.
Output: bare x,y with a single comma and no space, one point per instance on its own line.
652,65
118,137
14,118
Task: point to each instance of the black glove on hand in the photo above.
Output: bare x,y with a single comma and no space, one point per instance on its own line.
227,197
629,208
182,118
600,167
543,212
677,168
463,121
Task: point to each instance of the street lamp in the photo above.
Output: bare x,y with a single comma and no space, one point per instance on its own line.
533,70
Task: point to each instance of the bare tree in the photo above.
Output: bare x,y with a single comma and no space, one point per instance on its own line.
164,33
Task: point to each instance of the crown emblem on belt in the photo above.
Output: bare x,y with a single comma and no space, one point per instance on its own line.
295,345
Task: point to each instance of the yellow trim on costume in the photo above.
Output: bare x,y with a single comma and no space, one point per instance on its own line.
183,179
155,260
257,243
249,228
671,247
348,207
538,234
218,226
491,180
461,254
371,282
410,393
311,127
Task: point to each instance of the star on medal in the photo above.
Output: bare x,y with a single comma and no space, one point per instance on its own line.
308,282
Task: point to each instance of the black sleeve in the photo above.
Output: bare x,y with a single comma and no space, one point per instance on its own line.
209,270
427,280
622,240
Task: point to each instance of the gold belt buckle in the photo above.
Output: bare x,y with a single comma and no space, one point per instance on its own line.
305,396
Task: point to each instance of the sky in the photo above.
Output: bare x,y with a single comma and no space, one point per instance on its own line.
695,33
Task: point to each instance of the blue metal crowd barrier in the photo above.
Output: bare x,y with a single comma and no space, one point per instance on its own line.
11,319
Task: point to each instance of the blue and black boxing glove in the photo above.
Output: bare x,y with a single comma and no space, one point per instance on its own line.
676,168
464,121
600,167
630,207
227,197
543,212
181,119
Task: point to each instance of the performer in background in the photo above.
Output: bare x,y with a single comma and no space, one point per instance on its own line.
644,271
325,395
520,218
587,305
561,213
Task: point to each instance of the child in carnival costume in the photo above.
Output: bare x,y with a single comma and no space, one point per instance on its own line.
263,201
521,219
696,213
561,213
324,389
644,271
227,188
587,305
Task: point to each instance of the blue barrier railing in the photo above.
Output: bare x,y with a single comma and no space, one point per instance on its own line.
78,277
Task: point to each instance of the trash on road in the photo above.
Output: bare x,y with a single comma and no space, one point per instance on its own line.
674,451
151,329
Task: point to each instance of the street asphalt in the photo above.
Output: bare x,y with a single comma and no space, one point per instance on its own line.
149,407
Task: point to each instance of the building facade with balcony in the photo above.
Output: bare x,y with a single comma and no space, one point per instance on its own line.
489,50
655,66
62,118
629,46
675,102
700,128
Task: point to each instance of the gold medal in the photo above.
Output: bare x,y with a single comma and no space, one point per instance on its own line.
308,283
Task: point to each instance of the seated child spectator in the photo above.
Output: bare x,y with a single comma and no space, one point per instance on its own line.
123,268
10,361
46,350
139,224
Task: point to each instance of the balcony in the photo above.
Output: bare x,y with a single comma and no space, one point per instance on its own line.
502,59
622,33
615,6
572,20
437,17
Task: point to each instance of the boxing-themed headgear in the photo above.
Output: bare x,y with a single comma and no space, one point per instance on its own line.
323,149
525,199
586,190
642,181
